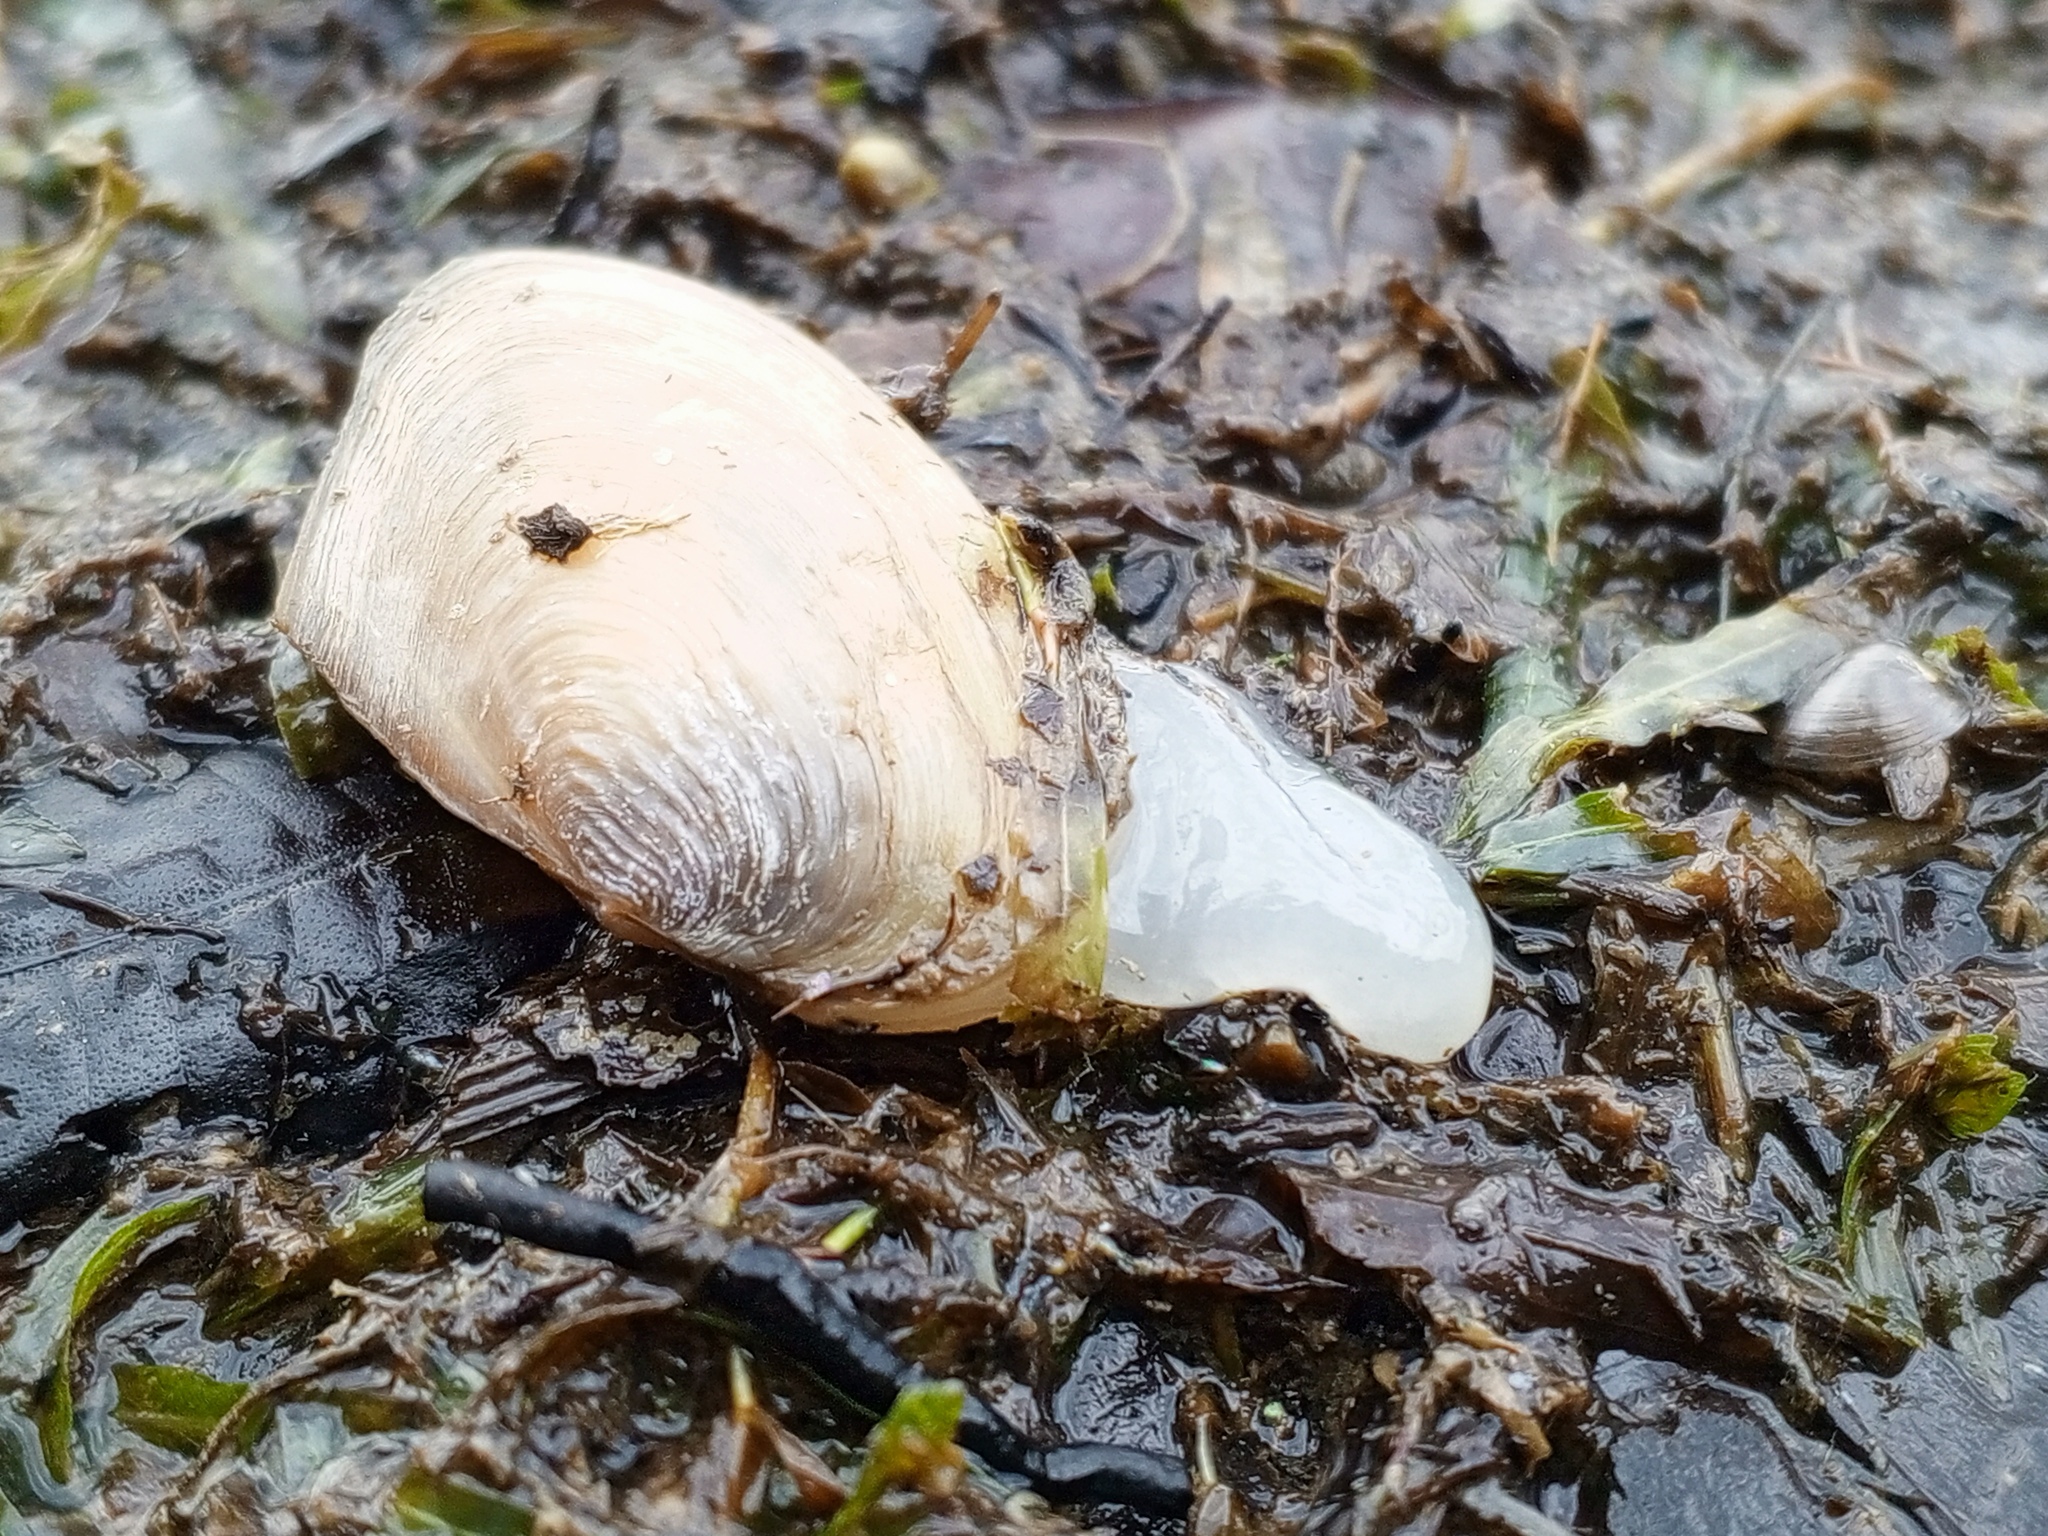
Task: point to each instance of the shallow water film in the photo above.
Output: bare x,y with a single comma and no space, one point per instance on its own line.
1606,437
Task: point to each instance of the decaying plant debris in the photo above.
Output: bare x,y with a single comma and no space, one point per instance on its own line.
1518,401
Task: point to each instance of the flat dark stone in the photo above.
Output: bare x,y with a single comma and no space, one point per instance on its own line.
248,944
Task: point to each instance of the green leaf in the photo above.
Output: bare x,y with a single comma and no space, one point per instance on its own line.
35,1360
1526,691
190,151
383,1208
1595,830
1102,582
29,841
38,282
910,1450
508,142
1742,665
493,13
1320,59
320,737
1855,1168
1065,961
1717,679
379,1223
842,86
1974,1089
1531,684
1971,648
1960,1081
171,1406
456,1505
1560,498
1602,418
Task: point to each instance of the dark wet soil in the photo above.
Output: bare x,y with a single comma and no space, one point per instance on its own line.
1417,369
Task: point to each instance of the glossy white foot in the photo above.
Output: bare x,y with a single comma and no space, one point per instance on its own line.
1241,867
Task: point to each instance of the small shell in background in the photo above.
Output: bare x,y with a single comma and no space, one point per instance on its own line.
1878,711
883,174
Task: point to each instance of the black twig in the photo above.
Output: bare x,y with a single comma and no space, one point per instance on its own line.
104,914
576,221
1186,348
479,1195
787,1302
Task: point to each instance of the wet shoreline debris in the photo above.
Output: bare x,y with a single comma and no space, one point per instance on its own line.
1435,374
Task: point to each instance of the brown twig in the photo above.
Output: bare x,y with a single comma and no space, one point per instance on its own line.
925,406
1875,427
738,1174
1177,226
819,1491
1460,162
1723,1089
1582,386
968,337
1763,132
1344,202
1247,582
1333,611
1360,400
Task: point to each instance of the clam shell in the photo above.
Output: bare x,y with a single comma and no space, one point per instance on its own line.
1871,706
1876,710
645,583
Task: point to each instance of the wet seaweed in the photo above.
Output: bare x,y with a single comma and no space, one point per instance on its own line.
1515,401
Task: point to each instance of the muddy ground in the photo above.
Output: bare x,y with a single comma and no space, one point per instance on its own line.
1429,372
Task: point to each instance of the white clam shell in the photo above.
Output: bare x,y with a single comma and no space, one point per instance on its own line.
768,712
766,685
1876,711
1240,867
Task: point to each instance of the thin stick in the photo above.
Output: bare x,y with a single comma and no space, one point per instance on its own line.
1177,226
1763,132
1247,582
736,1175
1461,161
1745,445
1497,1507
478,1195
1333,612
969,335
1344,203
926,407
799,1311
1182,351
1730,1114
576,221
1875,427
1582,386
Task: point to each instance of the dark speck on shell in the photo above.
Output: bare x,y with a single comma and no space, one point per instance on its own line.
982,878
1042,707
554,532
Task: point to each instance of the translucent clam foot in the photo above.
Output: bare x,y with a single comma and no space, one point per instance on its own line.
1241,867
